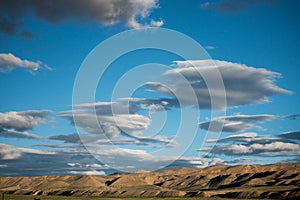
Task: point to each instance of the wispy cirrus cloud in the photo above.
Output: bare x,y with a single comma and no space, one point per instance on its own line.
9,62
131,13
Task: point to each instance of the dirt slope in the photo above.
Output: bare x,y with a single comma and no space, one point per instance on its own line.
241,181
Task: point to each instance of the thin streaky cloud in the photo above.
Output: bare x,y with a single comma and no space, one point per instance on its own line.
235,6
8,62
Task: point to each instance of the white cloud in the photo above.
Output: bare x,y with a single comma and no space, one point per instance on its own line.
15,124
109,119
9,62
94,165
21,121
209,47
91,173
236,123
78,161
276,148
8,152
27,161
135,159
131,13
18,134
157,23
243,84
36,151
74,164
248,136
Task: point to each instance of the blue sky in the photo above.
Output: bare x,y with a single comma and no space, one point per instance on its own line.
253,45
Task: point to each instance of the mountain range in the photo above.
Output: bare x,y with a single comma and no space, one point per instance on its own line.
275,181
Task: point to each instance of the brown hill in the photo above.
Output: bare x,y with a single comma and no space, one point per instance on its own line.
241,181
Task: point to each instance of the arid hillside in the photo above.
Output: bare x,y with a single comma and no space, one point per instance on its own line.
241,181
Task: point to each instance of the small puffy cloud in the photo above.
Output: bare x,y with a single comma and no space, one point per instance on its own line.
9,62
158,23
131,13
209,47
195,162
236,83
235,123
90,173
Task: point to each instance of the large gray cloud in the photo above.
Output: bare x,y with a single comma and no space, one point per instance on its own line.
9,62
128,12
243,84
236,123
16,124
